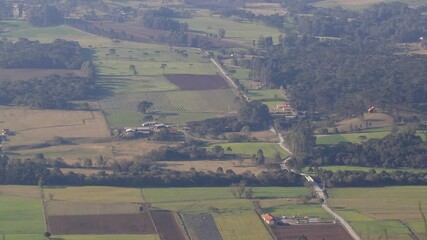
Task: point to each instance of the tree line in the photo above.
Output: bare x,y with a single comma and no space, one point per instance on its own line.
136,173
60,54
394,151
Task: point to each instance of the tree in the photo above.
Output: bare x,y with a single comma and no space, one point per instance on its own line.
163,67
218,151
249,193
260,157
190,65
301,138
254,112
144,106
47,234
45,16
221,33
132,68
238,189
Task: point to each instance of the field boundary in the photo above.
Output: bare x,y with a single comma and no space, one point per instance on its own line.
45,216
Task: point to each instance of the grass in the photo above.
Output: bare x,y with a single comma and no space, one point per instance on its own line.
372,210
241,225
23,237
94,194
300,210
107,237
366,169
239,32
269,149
360,4
20,212
158,195
349,137
39,126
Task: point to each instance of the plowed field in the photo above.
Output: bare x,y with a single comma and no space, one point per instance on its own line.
166,225
102,224
312,232
197,82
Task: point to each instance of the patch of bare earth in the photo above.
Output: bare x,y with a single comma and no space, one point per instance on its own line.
311,231
167,226
140,223
197,82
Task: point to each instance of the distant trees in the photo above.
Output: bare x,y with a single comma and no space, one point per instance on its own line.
221,33
33,54
45,16
255,113
162,19
301,139
144,106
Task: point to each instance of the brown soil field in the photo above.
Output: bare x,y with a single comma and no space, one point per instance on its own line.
20,191
136,33
212,165
377,120
102,224
167,226
312,231
197,82
125,150
40,126
27,74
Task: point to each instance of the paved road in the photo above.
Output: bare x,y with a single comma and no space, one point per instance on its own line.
317,189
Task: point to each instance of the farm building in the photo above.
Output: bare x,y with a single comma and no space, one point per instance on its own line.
268,218
148,124
371,109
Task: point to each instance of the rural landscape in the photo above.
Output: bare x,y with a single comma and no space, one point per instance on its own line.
213,119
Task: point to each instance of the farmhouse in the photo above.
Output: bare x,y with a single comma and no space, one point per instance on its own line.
268,218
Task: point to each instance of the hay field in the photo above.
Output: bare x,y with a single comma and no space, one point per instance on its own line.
371,211
40,126
212,165
126,150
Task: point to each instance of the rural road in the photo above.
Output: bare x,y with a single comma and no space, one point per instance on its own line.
317,189
225,75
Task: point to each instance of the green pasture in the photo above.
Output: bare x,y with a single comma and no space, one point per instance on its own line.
371,211
265,94
241,73
94,194
21,215
278,192
360,4
106,237
349,137
243,32
23,237
129,118
367,169
250,148
300,210
158,195
241,225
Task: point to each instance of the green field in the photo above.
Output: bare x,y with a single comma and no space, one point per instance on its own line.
360,4
21,213
240,32
366,169
241,225
250,148
372,210
350,137
107,237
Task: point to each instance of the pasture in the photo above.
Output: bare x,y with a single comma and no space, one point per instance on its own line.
212,165
349,137
82,134
27,74
21,213
367,169
242,32
250,148
372,211
360,4
41,126
108,237
241,225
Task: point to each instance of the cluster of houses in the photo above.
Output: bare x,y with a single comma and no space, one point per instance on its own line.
146,128
284,220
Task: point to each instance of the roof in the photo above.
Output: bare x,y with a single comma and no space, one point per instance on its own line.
267,217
